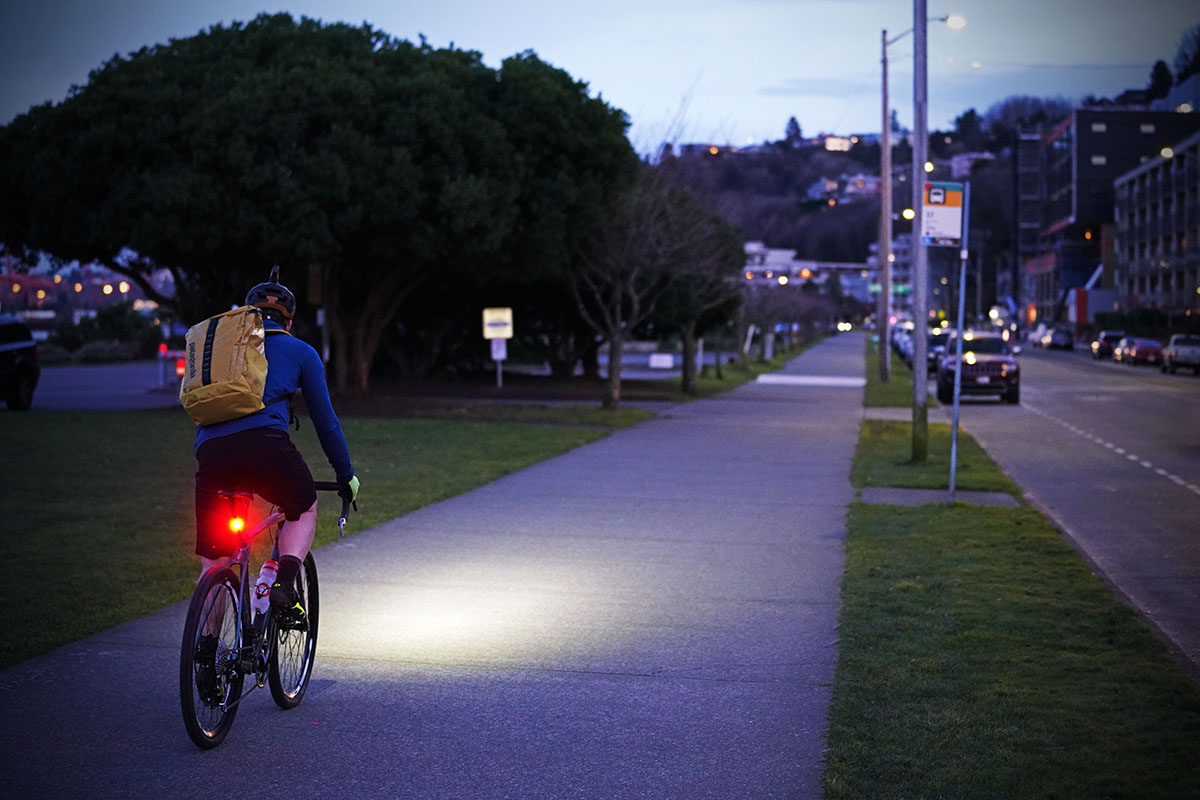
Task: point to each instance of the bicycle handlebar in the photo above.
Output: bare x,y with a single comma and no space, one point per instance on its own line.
343,492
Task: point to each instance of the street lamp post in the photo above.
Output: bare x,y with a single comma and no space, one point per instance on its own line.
955,22
885,230
920,281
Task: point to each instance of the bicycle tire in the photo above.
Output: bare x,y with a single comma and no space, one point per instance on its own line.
213,610
294,645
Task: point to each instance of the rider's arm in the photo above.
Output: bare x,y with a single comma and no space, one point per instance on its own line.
320,410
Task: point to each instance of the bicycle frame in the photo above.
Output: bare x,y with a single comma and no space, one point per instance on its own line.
250,653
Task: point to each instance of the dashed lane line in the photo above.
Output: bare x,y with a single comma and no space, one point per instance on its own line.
1121,451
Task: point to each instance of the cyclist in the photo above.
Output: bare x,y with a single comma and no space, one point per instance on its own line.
254,452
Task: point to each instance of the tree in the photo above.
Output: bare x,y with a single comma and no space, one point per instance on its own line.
363,165
791,134
1187,56
632,258
706,291
968,129
1160,81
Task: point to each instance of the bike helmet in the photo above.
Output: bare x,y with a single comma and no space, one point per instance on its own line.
273,295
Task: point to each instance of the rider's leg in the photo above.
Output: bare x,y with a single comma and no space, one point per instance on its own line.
296,536
295,539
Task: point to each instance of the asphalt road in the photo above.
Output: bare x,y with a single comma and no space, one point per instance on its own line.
649,616
131,385
1112,454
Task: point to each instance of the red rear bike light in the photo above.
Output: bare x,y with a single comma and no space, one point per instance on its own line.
239,510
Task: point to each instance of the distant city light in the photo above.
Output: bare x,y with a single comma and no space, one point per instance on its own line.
908,213
1184,108
976,65
58,279
929,166
1167,152
1087,235
749,276
783,279
107,288
41,294
78,288
124,287
832,202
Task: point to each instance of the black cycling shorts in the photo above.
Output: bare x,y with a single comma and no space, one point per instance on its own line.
260,460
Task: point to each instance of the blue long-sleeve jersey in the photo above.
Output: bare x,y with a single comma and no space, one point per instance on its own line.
291,365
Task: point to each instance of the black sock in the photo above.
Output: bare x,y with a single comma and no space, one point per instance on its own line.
289,568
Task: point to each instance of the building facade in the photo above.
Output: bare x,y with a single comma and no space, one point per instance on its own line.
1079,159
1157,247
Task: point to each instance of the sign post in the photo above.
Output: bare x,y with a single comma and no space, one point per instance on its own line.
498,326
945,223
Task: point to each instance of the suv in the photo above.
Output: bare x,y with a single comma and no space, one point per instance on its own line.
988,367
19,369
1103,346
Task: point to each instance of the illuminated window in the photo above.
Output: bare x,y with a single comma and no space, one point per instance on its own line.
1099,160
1099,127
1147,127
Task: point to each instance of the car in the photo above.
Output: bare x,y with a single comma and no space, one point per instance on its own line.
1134,350
1103,344
989,366
1058,338
19,368
936,347
1182,350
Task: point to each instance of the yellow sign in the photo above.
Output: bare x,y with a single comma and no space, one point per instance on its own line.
497,323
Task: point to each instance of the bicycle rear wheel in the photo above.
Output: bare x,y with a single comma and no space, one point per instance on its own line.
294,644
209,682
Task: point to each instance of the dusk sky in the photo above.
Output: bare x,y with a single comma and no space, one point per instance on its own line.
725,71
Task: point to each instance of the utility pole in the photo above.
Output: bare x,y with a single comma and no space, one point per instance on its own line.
920,291
885,230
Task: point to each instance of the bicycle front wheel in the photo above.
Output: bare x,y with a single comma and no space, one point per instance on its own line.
294,644
209,681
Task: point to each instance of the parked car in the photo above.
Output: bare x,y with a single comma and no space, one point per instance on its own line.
19,368
1134,350
936,347
989,366
1058,338
1103,344
1182,350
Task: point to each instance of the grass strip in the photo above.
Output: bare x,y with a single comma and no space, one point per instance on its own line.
884,458
897,391
980,658
98,522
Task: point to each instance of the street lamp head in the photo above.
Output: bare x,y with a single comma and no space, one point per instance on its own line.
929,166
908,213
956,22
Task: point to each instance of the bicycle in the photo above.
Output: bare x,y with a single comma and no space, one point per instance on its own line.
274,648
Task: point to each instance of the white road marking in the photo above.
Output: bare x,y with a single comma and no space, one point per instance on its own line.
1118,450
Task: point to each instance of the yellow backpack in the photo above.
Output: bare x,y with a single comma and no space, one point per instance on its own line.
226,367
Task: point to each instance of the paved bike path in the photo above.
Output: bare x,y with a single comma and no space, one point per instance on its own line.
651,615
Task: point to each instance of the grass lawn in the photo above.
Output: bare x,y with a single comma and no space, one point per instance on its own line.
98,524
979,657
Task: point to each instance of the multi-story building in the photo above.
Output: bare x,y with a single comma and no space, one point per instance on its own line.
1157,248
1079,160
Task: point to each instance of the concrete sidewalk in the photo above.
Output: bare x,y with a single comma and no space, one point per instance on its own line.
652,615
